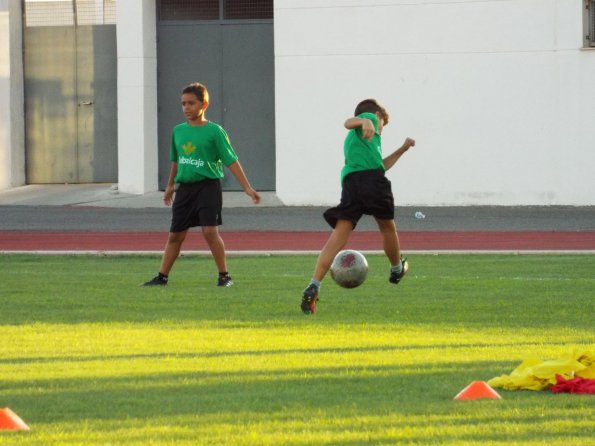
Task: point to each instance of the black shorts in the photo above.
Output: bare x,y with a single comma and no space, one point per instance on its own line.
197,204
367,192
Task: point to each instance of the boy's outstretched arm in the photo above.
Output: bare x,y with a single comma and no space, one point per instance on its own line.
238,172
366,125
391,159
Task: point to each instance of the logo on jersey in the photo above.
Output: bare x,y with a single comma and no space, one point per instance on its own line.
188,148
192,162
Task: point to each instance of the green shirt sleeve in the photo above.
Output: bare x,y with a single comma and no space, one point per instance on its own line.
173,153
226,152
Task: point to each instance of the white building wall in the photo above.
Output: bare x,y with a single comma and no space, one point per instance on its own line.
137,96
12,122
498,94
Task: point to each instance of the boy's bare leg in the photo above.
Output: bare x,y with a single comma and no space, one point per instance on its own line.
337,240
216,245
390,240
172,251
333,245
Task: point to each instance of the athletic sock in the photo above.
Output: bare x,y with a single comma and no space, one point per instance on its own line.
163,276
397,268
223,274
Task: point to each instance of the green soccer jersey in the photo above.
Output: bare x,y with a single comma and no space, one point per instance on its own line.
200,151
362,154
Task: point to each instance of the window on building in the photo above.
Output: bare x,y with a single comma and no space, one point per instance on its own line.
70,12
589,21
189,9
215,9
96,12
247,9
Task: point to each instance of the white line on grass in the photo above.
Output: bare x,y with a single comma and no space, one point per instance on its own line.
297,252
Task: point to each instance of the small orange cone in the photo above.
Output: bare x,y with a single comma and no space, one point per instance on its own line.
10,420
476,390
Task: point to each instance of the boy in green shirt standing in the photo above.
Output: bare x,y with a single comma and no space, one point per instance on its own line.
199,149
365,190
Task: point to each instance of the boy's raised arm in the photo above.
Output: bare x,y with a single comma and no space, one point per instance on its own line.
391,159
366,125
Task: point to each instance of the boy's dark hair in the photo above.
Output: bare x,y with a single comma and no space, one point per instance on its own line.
199,90
371,106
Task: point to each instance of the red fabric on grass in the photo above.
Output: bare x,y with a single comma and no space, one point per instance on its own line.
574,385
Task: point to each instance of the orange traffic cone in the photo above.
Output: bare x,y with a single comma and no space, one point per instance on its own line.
476,390
10,420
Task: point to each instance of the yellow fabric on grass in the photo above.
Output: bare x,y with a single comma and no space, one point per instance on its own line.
535,374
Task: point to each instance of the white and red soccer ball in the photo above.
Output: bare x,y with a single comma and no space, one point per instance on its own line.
349,268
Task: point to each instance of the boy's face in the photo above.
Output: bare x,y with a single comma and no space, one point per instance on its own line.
192,108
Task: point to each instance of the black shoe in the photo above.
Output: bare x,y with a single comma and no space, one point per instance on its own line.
225,280
156,281
396,277
309,299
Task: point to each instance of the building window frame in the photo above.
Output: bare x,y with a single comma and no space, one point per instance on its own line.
214,10
589,24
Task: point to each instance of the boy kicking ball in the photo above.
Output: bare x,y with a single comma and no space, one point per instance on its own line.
365,190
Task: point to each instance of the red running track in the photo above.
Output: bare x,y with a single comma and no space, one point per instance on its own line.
301,241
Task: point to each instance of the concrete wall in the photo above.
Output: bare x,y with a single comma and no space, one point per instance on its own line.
137,96
12,121
498,94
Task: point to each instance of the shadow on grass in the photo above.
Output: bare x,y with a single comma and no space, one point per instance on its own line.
505,291
372,389
384,349
376,399
494,305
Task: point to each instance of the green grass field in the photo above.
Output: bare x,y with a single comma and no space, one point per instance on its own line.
89,358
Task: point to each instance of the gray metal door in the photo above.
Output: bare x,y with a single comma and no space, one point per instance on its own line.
70,104
235,60
249,99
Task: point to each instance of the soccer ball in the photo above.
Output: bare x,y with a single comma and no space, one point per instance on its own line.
349,268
